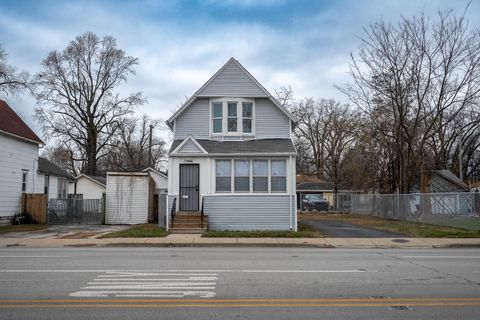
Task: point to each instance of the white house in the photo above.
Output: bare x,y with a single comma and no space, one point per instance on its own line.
233,155
90,187
55,180
18,162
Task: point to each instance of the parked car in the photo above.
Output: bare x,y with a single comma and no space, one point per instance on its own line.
315,202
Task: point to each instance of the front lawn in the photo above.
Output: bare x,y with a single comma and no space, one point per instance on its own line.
303,232
139,231
22,228
413,229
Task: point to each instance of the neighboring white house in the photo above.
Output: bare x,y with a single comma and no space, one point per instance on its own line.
18,162
54,179
233,155
90,187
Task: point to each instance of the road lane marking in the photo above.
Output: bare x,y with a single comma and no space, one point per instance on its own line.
442,257
28,257
191,272
151,284
242,305
242,300
143,294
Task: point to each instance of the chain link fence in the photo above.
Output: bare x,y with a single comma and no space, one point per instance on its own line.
76,211
450,209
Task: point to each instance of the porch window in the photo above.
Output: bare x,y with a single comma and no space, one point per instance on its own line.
242,175
223,176
279,176
232,117
217,117
260,176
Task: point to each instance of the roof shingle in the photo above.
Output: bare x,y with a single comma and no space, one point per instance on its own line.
246,146
11,123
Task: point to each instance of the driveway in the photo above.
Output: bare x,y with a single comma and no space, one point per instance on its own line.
66,232
340,229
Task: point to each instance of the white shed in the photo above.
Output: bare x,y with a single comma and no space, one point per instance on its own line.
90,187
128,196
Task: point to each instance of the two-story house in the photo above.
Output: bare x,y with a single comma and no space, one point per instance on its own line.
233,155
18,162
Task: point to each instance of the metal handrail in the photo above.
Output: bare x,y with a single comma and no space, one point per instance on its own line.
173,210
201,216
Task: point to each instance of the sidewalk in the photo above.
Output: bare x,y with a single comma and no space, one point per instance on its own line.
193,240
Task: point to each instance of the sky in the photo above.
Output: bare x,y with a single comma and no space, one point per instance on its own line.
181,44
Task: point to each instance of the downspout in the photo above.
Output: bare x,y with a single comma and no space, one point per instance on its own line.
289,194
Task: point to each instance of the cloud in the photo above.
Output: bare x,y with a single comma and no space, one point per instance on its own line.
181,44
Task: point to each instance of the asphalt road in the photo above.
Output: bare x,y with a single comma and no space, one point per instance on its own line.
239,283
340,229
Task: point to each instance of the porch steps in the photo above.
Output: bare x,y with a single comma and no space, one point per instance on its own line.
189,222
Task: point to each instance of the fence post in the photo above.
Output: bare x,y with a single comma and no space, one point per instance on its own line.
104,207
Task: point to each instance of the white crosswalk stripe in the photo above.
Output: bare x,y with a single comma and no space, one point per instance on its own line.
151,284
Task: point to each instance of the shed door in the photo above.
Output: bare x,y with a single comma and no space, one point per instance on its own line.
189,185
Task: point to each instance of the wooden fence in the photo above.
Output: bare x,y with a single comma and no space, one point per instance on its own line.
36,206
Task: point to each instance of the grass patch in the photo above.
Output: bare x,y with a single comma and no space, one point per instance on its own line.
22,228
139,231
414,229
303,232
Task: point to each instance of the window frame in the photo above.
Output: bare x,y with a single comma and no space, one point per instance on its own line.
225,117
251,176
24,181
285,176
213,118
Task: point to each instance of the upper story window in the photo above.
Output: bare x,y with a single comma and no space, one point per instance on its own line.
232,116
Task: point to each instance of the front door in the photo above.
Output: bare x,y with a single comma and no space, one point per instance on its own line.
189,185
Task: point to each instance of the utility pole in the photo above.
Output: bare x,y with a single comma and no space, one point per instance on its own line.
150,147
460,160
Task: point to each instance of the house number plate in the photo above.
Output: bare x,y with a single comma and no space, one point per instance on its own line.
185,196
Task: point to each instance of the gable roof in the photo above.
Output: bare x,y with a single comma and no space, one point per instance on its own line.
259,146
188,145
246,85
12,124
47,167
165,175
450,176
97,179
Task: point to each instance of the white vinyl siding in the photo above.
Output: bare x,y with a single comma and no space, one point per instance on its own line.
17,155
194,120
127,199
89,189
250,212
232,81
270,122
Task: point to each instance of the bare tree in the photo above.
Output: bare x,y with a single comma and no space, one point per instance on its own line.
132,146
12,81
418,77
76,91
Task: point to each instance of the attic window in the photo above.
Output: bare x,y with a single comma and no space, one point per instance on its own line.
232,116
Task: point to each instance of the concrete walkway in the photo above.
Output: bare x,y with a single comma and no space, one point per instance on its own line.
192,240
